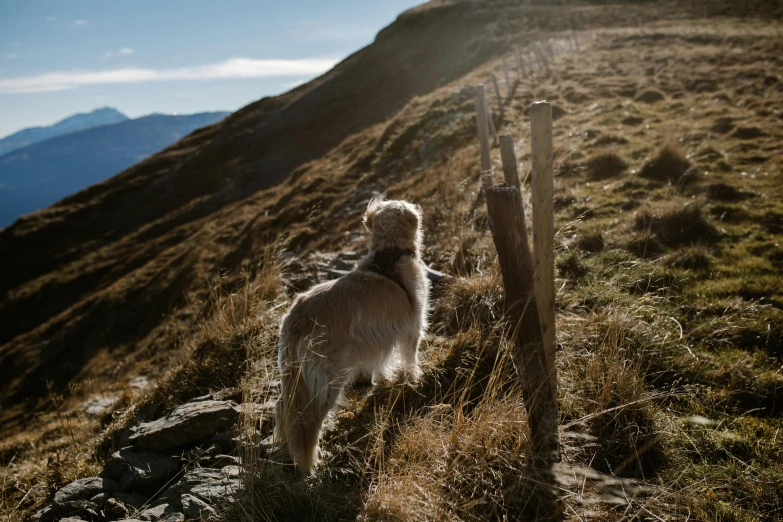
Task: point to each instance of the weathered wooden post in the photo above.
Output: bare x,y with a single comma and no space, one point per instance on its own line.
497,93
482,115
520,64
544,224
509,158
492,130
505,73
507,223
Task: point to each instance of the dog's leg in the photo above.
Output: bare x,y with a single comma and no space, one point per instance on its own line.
409,356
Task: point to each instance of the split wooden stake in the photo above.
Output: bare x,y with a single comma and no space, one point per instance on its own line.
509,158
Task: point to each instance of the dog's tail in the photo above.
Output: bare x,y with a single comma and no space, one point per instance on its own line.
296,415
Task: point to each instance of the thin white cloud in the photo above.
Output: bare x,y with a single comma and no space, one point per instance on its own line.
233,68
51,18
10,56
125,51
80,22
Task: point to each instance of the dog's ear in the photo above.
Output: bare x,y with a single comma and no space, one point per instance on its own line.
368,220
372,208
413,217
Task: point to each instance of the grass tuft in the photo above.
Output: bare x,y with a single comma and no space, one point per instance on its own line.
605,165
668,165
676,226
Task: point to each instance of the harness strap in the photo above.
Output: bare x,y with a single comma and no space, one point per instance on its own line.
383,263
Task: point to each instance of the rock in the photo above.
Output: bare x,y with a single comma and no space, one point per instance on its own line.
84,489
187,423
194,507
160,512
139,384
221,461
71,519
116,509
101,498
100,404
134,500
210,485
438,278
133,468
48,513
226,394
227,440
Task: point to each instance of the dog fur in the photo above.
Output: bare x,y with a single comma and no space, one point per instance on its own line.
367,322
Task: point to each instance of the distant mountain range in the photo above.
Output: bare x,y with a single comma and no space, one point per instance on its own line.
39,174
77,122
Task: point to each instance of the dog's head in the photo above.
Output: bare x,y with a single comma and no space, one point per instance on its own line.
393,224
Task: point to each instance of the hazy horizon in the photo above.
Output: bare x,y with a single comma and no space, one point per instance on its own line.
141,57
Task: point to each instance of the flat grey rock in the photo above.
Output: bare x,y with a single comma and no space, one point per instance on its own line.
156,513
114,508
133,468
133,500
187,423
85,489
194,507
210,485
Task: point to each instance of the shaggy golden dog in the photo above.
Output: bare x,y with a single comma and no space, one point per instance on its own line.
367,322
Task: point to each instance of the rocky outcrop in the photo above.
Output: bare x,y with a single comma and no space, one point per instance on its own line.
133,468
186,424
176,467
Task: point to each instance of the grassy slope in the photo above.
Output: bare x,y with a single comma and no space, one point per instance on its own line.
669,303
669,308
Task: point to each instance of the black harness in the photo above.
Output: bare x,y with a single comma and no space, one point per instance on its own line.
383,263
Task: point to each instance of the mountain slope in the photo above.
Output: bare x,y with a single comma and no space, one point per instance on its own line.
75,268
36,176
669,301
77,122
105,281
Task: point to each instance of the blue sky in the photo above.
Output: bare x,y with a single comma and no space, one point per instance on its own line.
141,56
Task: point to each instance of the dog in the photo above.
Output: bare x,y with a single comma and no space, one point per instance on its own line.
366,323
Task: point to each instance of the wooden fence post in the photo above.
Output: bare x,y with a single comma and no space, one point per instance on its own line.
544,224
509,158
520,65
497,93
482,114
505,73
507,223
